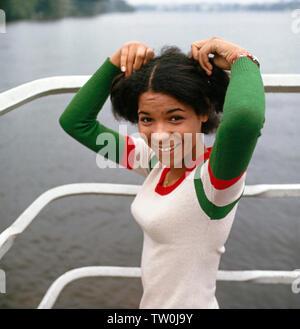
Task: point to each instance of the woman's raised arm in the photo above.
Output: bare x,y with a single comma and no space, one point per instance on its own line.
223,175
79,119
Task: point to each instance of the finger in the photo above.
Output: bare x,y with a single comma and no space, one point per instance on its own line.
130,60
195,51
139,58
204,59
149,55
196,47
123,60
201,62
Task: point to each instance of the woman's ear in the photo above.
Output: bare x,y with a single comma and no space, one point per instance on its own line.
204,117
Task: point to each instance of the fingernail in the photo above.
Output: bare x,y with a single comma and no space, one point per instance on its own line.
123,68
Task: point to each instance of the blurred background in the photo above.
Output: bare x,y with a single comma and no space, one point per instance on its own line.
45,38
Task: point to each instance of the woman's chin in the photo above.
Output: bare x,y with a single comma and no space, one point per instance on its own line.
170,160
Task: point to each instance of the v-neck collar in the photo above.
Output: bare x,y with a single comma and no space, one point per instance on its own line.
163,190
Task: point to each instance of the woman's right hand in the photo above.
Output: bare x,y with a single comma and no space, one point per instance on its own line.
132,55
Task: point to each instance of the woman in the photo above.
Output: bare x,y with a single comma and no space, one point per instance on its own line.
187,203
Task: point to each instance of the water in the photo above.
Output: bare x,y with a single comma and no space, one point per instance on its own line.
36,155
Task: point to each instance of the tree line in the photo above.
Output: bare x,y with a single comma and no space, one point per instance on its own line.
55,9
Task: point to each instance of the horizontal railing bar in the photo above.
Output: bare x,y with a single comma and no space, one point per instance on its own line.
27,92
78,273
254,276
272,190
22,222
281,83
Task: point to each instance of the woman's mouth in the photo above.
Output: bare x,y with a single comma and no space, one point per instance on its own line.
168,149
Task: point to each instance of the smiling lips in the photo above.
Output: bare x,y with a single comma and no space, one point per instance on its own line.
168,149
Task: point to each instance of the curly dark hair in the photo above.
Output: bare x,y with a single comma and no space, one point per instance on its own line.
176,74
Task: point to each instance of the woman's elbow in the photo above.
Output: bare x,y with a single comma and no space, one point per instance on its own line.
65,124
247,122
252,121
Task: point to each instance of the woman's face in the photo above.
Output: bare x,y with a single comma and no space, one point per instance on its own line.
171,128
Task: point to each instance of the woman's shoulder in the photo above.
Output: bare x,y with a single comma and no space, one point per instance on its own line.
215,196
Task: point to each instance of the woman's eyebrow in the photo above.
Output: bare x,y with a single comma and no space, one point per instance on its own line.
169,111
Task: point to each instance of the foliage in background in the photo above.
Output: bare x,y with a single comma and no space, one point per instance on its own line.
54,9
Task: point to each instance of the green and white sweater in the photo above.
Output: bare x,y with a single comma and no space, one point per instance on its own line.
186,224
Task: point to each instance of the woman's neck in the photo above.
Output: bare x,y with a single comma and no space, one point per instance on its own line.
175,173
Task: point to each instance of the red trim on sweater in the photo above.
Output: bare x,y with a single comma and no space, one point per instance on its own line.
221,184
128,156
163,190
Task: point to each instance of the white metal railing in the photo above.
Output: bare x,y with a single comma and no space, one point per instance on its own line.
8,236
25,93
254,276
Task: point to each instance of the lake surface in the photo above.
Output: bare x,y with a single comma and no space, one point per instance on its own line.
36,155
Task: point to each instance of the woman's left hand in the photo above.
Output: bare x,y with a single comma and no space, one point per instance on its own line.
224,52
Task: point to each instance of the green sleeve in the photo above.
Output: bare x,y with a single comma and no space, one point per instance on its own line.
242,120
79,118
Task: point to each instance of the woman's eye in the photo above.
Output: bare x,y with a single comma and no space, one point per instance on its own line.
176,117
146,120
173,118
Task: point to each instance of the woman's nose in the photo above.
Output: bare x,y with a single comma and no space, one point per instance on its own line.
160,138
